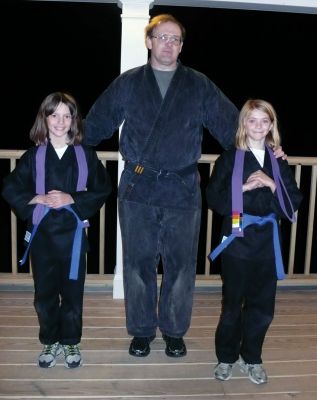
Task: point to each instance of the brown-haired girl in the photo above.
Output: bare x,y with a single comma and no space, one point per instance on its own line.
56,186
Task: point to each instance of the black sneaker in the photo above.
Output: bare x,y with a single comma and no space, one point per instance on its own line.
175,347
140,346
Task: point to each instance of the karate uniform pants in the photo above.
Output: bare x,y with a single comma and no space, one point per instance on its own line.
148,234
58,300
249,289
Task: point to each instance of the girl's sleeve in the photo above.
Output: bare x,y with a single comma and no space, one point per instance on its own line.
18,187
218,190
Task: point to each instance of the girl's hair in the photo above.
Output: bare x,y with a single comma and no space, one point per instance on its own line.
272,139
160,19
39,133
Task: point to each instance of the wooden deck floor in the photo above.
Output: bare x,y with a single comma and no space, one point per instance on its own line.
290,355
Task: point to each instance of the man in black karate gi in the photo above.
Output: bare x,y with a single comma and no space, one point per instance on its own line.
164,106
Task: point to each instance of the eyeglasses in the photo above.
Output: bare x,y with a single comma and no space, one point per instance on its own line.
164,38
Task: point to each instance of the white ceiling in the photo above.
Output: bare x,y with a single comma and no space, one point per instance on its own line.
297,6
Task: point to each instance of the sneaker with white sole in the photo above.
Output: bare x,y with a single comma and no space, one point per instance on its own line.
72,356
223,371
256,372
47,358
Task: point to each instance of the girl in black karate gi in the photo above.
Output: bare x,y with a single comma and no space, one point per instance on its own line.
251,262
56,193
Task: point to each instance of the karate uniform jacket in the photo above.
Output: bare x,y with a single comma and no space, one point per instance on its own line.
257,242
56,230
162,134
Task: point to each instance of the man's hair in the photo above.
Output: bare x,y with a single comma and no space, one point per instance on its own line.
160,19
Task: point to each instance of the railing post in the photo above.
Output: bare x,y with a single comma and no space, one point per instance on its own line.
134,17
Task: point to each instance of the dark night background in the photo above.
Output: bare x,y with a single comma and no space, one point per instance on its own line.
75,47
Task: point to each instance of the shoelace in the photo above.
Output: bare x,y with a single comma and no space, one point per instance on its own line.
257,368
225,366
49,348
71,350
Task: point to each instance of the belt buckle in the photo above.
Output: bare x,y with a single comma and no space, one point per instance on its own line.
139,169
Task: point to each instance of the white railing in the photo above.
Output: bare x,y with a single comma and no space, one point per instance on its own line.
305,169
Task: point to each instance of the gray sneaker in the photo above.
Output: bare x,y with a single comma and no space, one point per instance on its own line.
72,356
223,371
256,372
47,358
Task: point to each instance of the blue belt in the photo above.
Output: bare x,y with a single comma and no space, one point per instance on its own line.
73,274
253,219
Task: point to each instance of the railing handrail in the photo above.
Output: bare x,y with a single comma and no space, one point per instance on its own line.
204,159
106,156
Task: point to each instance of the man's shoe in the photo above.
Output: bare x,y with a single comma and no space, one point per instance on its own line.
47,358
140,346
72,356
175,347
256,372
223,371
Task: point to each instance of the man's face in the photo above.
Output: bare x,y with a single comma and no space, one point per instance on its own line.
165,45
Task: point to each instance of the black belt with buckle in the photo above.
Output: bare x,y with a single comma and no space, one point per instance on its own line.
141,169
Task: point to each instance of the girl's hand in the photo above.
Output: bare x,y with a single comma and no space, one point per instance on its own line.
38,199
259,179
57,199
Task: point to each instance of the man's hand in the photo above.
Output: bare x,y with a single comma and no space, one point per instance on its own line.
278,152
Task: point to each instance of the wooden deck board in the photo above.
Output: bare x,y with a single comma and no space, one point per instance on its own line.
109,372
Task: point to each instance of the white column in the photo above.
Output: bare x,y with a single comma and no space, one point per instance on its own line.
135,16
